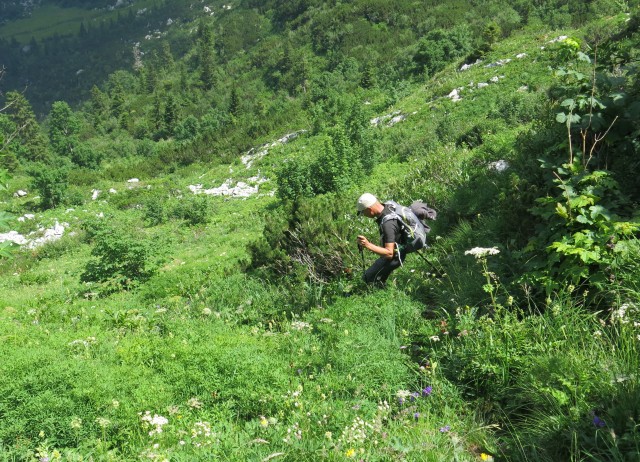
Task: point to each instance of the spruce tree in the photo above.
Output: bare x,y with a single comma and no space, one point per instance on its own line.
234,102
166,58
33,143
206,56
170,115
64,128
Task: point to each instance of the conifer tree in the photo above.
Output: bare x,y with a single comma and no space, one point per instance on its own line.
117,100
368,76
166,58
151,78
206,56
99,105
33,143
157,113
64,128
170,117
234,102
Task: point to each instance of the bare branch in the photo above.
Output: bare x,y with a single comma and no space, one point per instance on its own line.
597,140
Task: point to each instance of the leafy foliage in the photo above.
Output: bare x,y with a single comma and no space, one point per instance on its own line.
122,260
51,181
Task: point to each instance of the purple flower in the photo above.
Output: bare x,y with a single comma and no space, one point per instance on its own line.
427,391
400,401
414,396
416,415
445,429
598,422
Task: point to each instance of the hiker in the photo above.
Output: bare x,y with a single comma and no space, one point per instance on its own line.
398,236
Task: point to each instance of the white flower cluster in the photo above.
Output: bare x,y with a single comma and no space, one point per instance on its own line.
300,325
357,432
622,313
481,252
194,403
293,431
201,434
294,397
157,422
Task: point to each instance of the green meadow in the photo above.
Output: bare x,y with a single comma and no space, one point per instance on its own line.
172,323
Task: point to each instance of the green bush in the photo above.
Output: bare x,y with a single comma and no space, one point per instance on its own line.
51,182
122,256
194,209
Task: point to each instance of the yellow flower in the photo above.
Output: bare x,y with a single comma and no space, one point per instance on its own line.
486,457
350,452
263,421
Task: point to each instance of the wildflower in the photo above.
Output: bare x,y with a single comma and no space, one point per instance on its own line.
427,391
115,403
206,311
434,338
487,457
194,403
445,429
103,422
328,435
350,453
481,252
76,423
620,314
156,421
414,396
300,325
264,423
416,415
598,422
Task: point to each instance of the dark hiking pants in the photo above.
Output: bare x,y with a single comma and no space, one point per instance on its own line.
381,269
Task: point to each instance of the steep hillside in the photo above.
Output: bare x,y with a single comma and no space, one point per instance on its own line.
187,285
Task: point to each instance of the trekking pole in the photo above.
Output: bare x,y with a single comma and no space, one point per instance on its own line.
362,257
437,271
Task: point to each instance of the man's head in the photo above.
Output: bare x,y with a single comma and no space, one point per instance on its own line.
368,205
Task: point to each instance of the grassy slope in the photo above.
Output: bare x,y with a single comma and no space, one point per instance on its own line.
50,20
201,342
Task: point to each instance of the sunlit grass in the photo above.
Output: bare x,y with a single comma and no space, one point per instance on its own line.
50,20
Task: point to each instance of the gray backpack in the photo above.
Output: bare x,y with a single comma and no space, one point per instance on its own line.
414,231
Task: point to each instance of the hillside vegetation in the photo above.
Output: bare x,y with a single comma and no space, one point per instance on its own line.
180,276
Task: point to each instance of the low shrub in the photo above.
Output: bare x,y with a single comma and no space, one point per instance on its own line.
123,257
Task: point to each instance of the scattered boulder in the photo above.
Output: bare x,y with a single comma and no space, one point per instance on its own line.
499,165
469,66
241,189
498,63
26,216
36,238
454,95
561,38
258,153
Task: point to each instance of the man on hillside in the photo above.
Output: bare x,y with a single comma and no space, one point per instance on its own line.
391,254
